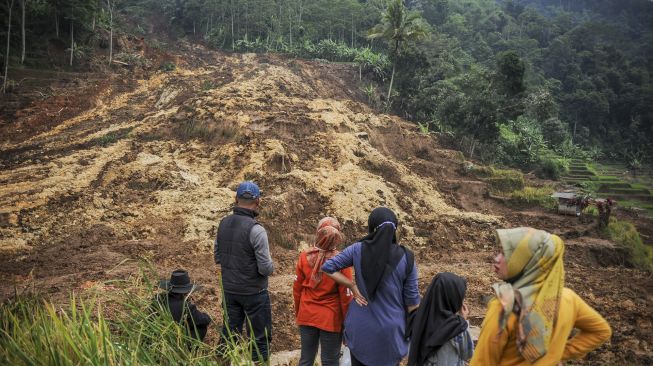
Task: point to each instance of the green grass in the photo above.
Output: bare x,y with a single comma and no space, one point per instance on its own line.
111,137
168,66
500,180
646,206
534,196
625,234
207,85
118,328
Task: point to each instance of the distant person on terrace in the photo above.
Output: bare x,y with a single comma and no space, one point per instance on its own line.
320,303
242,251
385,291
532,316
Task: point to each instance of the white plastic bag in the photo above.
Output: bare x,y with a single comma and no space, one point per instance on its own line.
345,357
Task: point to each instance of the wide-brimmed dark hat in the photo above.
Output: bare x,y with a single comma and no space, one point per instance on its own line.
179,283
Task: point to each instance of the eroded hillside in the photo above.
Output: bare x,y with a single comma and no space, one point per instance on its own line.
148,173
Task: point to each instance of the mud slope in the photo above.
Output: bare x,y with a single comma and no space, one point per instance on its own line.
149,172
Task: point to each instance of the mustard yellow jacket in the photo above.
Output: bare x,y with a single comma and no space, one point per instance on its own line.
493,349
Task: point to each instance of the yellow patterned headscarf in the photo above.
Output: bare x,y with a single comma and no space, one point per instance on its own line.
536,274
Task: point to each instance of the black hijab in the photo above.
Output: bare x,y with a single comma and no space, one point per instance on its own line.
437,321
380,252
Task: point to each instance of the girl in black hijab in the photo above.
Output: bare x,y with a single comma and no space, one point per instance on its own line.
439,334
380,252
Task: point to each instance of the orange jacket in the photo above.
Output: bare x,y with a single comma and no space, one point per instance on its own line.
323,307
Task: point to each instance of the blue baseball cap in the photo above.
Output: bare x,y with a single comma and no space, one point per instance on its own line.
248,190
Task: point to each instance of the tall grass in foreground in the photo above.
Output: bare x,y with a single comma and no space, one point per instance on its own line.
625,234
117,328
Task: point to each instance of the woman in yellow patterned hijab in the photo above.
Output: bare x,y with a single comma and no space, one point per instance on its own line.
532,308
535,277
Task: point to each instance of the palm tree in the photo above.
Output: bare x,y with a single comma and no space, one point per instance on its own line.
398,27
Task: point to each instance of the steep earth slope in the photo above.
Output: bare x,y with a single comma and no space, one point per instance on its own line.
148,173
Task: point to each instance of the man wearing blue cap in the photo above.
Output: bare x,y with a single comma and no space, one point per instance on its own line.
242,250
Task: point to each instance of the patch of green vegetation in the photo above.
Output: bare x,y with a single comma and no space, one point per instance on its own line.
591,211
641,186
207,85
648,207
625,234
591,169
168,66
499,180
423,128
533,196
551,167
124,327
111,137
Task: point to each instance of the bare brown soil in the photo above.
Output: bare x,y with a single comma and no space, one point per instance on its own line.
144,168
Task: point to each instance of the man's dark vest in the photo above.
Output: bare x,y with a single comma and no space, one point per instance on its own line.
237,258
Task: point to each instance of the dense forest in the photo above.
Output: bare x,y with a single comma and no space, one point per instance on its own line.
531,83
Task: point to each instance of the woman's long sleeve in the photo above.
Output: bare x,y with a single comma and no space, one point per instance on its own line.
297,285
345,294
594,330
490,345
344,259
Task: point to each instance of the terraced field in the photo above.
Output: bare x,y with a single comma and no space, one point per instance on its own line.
614,181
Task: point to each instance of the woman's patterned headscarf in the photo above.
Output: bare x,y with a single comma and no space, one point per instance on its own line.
327,238
536,277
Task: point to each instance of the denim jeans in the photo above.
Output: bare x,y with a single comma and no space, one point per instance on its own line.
256,312
329,342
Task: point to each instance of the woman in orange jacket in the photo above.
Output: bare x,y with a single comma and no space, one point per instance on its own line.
531,318
320,304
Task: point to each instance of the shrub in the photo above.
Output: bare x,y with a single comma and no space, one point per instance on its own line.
257,45
625,234
551,167
334,51
521,142
555,131
372,63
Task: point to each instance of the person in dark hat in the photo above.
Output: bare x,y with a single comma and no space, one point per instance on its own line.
176,299
243,254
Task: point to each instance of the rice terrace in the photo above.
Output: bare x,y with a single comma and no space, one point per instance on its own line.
128,126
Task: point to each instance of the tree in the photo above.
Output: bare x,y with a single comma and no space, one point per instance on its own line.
398,27
10,5
110,8
511,73
22,24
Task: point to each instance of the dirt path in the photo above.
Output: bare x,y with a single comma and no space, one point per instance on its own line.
148,173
